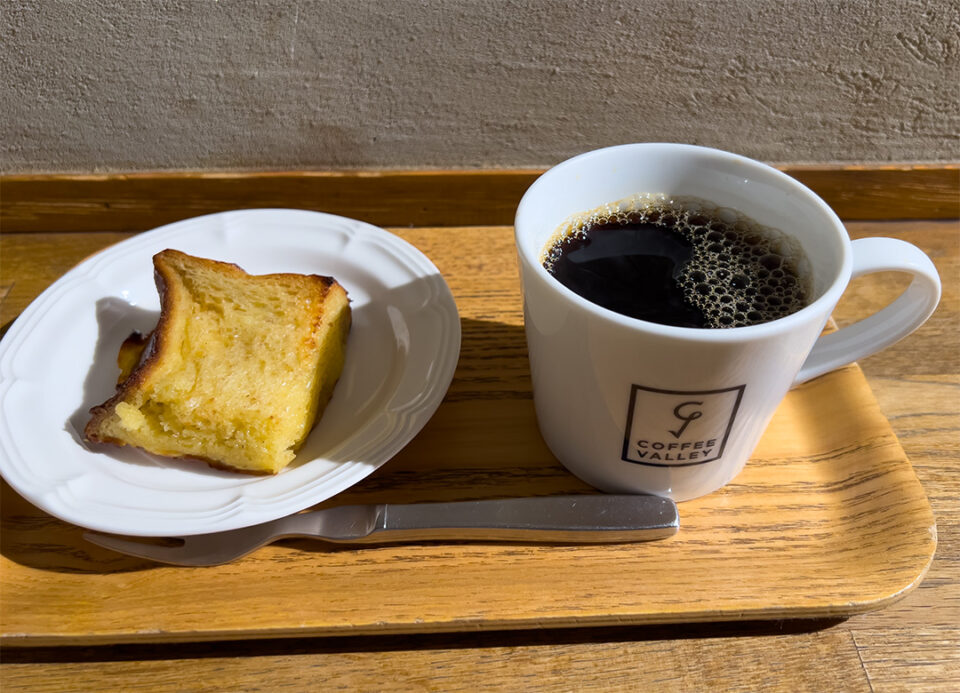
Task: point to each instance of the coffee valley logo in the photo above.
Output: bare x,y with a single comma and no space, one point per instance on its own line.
678,428
693,415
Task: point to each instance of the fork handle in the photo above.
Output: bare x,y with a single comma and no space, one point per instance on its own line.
558,519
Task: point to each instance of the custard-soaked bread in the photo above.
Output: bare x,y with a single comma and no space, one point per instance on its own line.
237,371
128,358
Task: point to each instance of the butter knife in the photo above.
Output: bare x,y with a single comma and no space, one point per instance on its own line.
586,519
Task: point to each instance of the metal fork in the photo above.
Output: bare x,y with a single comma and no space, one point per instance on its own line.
550,519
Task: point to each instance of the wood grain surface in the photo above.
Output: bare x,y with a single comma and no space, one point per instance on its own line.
827,520
911,644
136,202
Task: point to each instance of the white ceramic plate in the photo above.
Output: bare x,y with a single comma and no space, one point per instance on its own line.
59,359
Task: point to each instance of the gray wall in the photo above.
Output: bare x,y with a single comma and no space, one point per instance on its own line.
107,85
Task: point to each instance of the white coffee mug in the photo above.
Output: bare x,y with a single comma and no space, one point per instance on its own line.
631,406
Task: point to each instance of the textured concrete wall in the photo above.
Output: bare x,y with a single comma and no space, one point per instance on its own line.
103,85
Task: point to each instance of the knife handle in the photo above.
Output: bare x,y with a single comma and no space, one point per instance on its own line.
550,519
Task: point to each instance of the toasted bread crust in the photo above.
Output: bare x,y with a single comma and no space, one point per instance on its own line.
131,351
162,277
156,347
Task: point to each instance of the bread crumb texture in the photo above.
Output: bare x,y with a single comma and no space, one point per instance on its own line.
238,370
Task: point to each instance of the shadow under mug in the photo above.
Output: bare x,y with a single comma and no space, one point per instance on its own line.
631,406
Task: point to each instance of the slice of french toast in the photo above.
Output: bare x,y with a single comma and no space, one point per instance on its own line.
237,371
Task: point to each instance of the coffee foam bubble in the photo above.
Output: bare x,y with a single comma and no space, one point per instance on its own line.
740,273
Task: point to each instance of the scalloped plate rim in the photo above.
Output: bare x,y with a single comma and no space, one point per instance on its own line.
245,507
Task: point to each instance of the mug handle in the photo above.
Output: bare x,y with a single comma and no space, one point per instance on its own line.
887,326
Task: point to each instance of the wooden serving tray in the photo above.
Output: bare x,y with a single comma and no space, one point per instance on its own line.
827,520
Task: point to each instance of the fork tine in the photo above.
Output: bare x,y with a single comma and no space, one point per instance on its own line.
133,547
185,554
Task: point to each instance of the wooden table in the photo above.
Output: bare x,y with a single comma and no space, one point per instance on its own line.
51,223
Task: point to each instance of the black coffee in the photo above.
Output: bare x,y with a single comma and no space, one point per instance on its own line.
680,262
